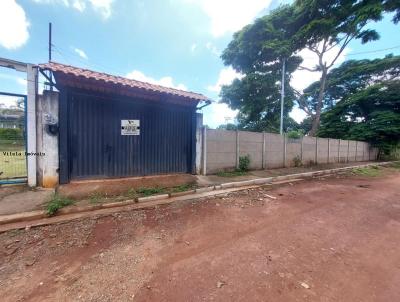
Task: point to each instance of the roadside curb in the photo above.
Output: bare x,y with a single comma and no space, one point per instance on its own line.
187,195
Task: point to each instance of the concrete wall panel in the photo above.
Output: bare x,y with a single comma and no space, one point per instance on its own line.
322,156
343,145
333,150
352,151
222,150
251,143
274,150
293,151
309,150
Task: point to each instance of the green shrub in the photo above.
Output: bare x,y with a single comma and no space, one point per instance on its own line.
244,163
295,134
392,153
297,161
56,203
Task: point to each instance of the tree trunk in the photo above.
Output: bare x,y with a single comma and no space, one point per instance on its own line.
318,109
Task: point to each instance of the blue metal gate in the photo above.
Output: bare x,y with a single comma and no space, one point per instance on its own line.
13,165
97,149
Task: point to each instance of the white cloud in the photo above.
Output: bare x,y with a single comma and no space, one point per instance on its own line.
80,53
219,114
230,15
164,81
79,5
64,2
297,114
101,6
21,81
193,47
301,79
8,101
211,47
13,25
226,76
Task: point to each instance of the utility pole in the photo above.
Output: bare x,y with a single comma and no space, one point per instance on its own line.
282,95
50,45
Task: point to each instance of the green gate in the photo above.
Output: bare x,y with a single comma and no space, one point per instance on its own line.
13,166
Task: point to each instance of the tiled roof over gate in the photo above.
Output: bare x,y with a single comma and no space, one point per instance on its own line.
83,78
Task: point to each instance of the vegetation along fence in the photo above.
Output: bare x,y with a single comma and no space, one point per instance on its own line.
222,148
12,153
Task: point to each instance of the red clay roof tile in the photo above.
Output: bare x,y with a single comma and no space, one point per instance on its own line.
71,71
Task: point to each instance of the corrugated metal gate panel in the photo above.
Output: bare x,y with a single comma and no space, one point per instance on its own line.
97,149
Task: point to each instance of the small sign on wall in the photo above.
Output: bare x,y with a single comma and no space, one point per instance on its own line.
130,127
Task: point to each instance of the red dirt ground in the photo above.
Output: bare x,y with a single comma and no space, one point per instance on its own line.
335,239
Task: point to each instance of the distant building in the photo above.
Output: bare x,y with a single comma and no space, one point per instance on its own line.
12,121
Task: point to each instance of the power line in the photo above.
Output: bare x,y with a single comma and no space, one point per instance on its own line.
362,52
92,64
372,51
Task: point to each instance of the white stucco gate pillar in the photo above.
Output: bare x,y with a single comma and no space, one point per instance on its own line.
32,77
30,111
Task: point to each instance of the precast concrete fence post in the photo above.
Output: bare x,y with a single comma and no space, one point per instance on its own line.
301,149
316,150
284,150
369,152
363,152
204,149
329,150
237,149
355,159
263,153
348,150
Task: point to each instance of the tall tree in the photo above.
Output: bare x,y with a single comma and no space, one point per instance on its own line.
257,52
322,26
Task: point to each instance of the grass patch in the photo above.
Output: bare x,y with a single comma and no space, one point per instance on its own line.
182,188
232,173
371,171
395,165
56,203
131,193
151,191
96,197
12,165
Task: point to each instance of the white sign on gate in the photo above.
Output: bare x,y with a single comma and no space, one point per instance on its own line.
130,127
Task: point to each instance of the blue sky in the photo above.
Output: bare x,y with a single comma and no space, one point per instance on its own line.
171,42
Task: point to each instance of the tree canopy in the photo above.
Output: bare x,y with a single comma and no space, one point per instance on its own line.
350,77
257,52
257,97
371,114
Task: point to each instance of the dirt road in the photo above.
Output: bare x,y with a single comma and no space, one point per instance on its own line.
335,239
